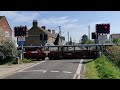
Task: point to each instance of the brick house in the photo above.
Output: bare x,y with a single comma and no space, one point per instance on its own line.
34,33
5,29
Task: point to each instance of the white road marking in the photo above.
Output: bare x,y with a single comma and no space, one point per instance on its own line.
78,70
34,71
54,71
66,72
78,76
74,76
30,66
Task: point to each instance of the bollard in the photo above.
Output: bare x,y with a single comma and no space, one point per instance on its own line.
17,60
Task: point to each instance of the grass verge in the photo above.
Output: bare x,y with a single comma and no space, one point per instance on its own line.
91,71
102,68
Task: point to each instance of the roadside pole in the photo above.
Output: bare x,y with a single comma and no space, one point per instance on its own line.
22,52
102,45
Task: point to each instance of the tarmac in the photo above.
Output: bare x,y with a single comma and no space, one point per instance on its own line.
6,70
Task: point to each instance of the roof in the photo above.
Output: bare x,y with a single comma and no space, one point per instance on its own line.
47,32
115,35
6,21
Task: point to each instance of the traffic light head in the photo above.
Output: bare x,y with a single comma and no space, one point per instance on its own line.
20,31
16,31
103,28
94,36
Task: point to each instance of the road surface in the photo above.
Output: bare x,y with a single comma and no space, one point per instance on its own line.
51,69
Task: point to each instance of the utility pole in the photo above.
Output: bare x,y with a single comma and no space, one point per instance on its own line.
68,37
60,34
59,30
89,32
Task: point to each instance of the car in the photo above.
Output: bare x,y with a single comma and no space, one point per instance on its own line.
49,44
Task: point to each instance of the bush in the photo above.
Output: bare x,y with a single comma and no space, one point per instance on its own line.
8,50
113,54
106,69
26,60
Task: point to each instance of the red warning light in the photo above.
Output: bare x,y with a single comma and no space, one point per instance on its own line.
106,27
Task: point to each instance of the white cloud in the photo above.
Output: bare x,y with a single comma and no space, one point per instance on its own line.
73,26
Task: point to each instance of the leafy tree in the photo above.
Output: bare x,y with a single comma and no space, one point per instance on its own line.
56,42
84,39
116,40
8,49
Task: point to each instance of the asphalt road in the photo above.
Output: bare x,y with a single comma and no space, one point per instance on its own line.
51,69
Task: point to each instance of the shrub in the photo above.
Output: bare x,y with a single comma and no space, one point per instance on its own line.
8,50
26,60
113,54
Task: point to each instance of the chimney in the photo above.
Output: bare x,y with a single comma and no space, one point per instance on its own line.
49,30
53,31
43,27
35,23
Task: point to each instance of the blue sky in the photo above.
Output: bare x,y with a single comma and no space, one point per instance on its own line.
74,22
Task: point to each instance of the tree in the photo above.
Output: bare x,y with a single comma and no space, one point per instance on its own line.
84,39
8,49
56,42
116,40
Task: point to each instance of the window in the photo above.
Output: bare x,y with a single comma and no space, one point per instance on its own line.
6,34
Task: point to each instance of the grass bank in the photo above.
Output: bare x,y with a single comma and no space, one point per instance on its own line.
102,68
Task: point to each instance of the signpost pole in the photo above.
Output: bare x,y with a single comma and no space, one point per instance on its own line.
22,52
102,44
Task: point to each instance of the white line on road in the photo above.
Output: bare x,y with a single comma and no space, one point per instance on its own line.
74,76
66,72
78,70
34,71
30,66
54,71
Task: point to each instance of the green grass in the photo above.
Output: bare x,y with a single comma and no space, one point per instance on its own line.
106,69
102,68
26,60
91,71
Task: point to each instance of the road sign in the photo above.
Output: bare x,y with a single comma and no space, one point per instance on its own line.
102,39
21,43
22,38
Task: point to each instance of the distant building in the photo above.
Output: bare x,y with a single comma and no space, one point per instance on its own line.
5,29
113,36
34,33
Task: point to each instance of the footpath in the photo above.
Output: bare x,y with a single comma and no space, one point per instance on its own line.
6,70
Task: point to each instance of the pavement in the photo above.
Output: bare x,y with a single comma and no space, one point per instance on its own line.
6,70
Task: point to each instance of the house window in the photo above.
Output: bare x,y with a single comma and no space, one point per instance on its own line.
6,34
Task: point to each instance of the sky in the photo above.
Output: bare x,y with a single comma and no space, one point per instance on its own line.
74,22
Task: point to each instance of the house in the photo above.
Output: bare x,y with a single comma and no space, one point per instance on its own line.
113,36
36,33
5,29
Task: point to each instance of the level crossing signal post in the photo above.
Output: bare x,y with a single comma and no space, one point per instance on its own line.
102,29
21,32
